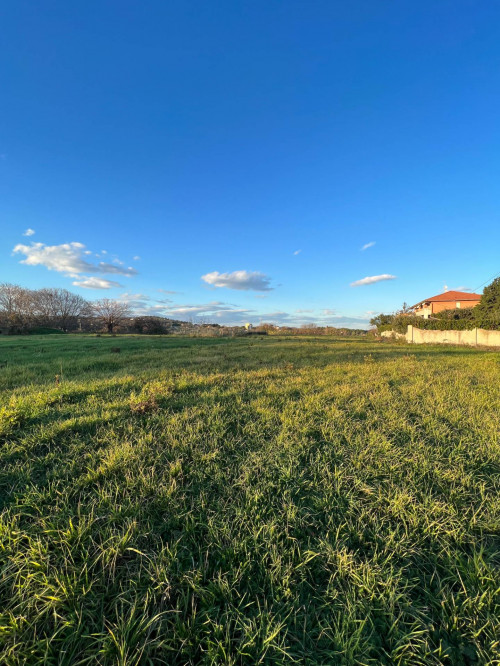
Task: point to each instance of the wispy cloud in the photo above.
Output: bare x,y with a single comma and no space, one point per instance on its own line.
29,232
372,279
240,280
136,258
297,252
298,319
446,288
142,304
126,296
214,309
230,314
95,283
367,245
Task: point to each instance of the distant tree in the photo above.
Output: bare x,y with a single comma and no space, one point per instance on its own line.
8,303
60,307
265,326
405,309
110,313
16,307
487,312
150,325
382,320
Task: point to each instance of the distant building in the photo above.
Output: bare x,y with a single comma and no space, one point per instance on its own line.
447,301
248,326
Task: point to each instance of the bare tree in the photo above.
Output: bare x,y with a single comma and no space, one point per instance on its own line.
8,301
265,326
60,307
16,306
405,309
110,313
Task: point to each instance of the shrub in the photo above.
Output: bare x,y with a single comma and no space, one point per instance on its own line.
487,312
150,326
401,322
383,322
458,319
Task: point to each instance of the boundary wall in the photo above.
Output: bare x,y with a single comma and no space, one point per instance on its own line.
474,337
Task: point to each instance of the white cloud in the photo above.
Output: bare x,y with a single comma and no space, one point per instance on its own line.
372,279
133,297
142,304
300,311
29,232
297,252
367,245
214,308
215,311
226,313
240,280
95,283
118,262
136,258
230,314
66,258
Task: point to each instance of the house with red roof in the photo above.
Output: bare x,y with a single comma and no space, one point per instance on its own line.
447,301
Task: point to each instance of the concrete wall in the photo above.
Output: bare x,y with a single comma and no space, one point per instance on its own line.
477,336
392,334
488,338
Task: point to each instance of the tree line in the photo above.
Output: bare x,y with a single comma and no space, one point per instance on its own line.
310,329
25,310
45,310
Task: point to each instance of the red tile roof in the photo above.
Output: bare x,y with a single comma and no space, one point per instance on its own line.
451,296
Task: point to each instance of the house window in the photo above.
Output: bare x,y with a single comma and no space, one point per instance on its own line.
458,304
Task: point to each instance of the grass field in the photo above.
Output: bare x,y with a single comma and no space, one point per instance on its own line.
248,501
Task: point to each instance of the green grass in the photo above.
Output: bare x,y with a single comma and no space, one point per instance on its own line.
248,501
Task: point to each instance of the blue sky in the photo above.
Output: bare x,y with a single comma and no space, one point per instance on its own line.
229,160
